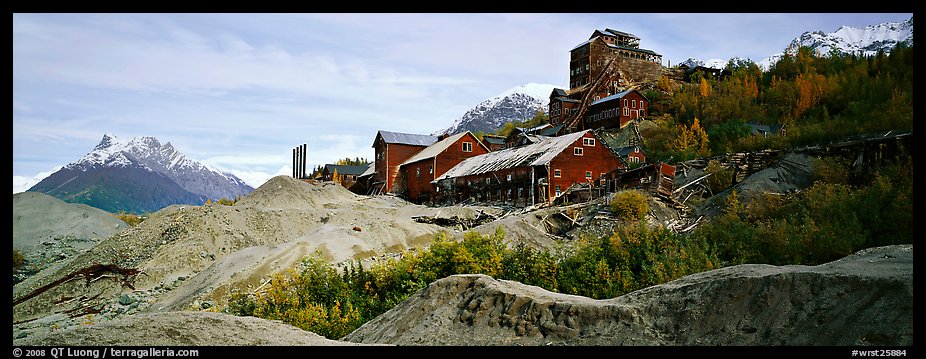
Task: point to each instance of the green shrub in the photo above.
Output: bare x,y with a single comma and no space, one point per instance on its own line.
721,176
18,259
129,218
629,204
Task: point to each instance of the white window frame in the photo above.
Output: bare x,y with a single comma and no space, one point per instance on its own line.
641,112
558,191
590,142
417,172
626,111
508,177
488,180
467,147
557,173
588,175
633,103
577,151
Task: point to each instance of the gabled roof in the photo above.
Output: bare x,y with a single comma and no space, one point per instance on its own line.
535,154
495,140
438,147
551,131
637,49
624,151
612,97
371,169
557,92
620,33
406,138
346,170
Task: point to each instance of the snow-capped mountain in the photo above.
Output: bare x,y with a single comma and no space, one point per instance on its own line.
712,63
865,41
515,104
119,175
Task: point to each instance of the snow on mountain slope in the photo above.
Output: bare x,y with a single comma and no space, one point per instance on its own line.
515,104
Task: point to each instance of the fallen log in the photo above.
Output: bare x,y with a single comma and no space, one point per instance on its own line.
89,273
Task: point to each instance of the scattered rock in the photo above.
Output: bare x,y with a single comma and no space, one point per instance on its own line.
357,229
206,305
126,299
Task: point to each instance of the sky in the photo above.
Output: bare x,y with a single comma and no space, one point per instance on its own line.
239,91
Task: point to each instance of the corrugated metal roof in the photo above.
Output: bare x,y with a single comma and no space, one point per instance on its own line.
536,154
407,138
435,149
346,170
552,130
612,97
493,140
371,169
637,49
624,151
620,33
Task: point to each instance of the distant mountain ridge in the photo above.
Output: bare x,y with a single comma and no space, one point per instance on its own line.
515,104
140,175
866,41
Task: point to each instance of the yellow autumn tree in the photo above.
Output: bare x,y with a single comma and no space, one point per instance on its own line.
704,87
692,139
335,177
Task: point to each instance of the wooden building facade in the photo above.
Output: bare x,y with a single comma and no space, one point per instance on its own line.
347,175
418,172
531,174
615,111
391,150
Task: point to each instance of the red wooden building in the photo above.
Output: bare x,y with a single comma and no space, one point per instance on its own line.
419,170
616,111
535,173
392,149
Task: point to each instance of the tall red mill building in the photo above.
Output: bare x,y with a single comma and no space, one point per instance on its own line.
417,172
610,63
392,149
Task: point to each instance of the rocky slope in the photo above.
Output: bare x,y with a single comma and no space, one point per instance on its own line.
863,299
191,257
49,232
180,329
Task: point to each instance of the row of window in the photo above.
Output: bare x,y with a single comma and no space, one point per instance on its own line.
559,173
633,103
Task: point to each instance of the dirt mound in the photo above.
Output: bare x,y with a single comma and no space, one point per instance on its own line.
791,173
180,329
49,232
192,257
863,299
288,192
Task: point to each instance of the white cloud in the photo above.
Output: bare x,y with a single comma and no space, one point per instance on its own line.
22,184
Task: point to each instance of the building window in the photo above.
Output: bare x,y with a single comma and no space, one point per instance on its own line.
431,170
577,151
626,111
508,177
588,175
625,102
557,173
588,141
633,103
417,172
558,192
467,147
636,150
487,180
641,112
